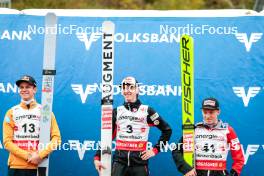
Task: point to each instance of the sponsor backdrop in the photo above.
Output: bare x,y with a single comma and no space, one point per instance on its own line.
229,65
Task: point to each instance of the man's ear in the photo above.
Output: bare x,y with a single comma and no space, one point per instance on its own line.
137,90
35,90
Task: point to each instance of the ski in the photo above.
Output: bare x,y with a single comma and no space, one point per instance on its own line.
108,29
187,82
47,87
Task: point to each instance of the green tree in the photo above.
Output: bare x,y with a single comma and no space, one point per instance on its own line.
133,4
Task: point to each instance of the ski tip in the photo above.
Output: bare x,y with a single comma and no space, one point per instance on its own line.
107,23
51,14
187,36
108,26
50,19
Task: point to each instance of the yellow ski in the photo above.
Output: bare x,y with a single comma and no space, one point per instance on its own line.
187,82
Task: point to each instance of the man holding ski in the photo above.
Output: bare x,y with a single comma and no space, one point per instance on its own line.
21,132
213,139
131,122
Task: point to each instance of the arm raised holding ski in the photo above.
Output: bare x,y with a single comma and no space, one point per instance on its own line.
212,141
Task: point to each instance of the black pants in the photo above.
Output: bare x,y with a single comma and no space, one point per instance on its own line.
120,169
212,173
22,172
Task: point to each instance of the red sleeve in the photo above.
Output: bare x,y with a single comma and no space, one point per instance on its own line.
97,158
114,132
236,150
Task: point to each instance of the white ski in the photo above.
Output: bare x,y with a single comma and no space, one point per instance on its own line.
47,86
108,29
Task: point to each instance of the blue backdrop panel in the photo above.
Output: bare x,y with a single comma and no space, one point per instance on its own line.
229,65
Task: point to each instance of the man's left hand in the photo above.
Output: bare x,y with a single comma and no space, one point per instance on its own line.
34,159
145,155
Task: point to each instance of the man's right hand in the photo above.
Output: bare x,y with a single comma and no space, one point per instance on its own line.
98,166
191,173
34,158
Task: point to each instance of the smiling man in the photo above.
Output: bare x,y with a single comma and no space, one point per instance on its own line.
131,123
21,132
213,138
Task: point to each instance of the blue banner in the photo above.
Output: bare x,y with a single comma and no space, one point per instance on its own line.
229,66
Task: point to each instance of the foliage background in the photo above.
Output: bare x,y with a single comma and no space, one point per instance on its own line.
134,4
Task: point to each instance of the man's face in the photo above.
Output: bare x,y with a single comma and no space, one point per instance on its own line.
27,91
210,116
129,92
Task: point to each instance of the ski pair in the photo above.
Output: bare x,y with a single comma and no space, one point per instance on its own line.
187,82
47,87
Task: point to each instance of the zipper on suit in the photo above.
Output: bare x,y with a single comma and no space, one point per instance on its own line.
128,160
208,173
129,107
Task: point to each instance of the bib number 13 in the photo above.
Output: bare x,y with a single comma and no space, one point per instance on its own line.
29,127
